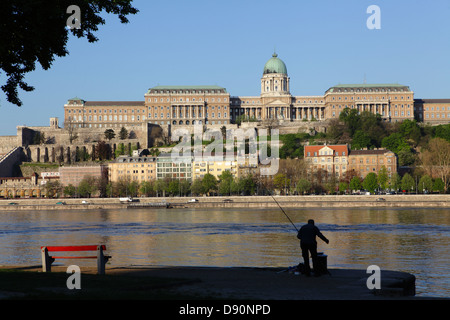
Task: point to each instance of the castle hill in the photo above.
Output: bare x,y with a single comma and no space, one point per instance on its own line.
355,140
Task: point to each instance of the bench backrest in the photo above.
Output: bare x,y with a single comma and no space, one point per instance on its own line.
73,248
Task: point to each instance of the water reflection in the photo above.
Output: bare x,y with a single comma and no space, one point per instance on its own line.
411,240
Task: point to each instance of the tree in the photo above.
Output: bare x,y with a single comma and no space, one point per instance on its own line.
209,183
173,187
407,182
87,187
225,182
52,188
303,186
160,187
123,133
32,32
197,187
361,140
436,160
247,185
331,185
383,178
370,182
71,130
351,118
438,185
185,187
425,183
146,188
70,190
442,131
120,150
343,187
109,134
406,157
394,142
133,188
281,182
102,150
355,183
396,182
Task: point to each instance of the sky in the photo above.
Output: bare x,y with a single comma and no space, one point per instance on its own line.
208,42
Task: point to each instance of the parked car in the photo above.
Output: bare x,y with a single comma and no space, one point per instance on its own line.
381,199
85,202
61,202
13,203
193,200
227,200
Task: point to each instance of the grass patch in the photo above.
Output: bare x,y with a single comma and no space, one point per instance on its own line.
31,285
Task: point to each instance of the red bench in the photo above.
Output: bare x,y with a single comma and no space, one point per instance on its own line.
47,260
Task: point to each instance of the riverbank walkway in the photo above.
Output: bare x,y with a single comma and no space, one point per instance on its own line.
245,283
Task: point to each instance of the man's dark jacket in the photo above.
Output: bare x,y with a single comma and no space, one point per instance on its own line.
307,234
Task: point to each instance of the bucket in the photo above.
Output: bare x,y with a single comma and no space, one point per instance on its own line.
321,264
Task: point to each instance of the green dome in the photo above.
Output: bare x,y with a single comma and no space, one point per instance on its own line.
275,65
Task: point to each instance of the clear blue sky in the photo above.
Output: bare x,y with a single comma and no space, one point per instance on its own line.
227,43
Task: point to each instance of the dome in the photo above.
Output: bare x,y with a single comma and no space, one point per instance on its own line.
275,65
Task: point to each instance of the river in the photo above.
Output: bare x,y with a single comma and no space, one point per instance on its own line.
412,240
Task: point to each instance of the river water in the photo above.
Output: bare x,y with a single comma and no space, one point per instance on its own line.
405,239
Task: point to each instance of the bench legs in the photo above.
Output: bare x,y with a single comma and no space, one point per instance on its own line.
46,260
101,260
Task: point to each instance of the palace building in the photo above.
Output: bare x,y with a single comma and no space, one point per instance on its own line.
213,105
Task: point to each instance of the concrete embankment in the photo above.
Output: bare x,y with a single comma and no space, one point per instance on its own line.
322,201
267,283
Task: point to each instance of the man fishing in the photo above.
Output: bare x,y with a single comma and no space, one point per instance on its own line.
307,235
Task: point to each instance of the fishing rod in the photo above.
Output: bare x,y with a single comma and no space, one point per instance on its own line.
284,213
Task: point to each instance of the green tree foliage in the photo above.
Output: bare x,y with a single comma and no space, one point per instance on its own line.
394,142
343,187
70,190
370,182
351,118
225,179
425,184
303,186
281,182
247,185
197,187
209,183
396,182
146,188
407,182
361,140
442,131
292,146
383,178
439,185
160,187
36,32
87,187
355,183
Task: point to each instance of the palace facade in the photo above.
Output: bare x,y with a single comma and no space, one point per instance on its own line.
213,105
